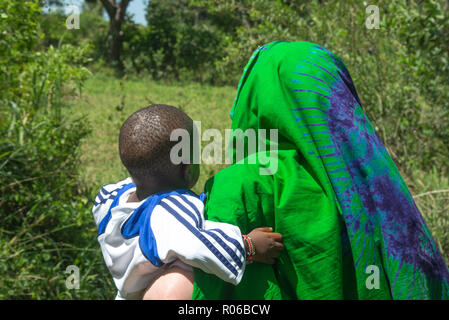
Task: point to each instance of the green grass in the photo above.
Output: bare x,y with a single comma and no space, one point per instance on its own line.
100,163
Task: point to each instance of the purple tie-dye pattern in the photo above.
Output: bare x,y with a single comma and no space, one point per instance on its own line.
389,210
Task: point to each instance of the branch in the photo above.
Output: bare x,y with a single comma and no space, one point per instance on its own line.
110,7
123,6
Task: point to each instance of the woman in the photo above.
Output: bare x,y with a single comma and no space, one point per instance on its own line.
350,227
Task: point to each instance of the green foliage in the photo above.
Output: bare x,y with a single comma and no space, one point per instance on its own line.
92,33
400,69
46,220
179,43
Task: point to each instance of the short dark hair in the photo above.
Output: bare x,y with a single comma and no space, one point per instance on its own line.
144,141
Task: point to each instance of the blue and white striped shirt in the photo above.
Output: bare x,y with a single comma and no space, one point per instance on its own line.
140,239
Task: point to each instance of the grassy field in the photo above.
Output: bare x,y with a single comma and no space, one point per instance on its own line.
107,102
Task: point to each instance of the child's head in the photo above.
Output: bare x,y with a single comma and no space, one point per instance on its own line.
144,147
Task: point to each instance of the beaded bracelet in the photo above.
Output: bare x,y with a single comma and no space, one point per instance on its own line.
251,249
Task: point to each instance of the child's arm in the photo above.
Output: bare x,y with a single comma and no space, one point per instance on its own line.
177,283
180,232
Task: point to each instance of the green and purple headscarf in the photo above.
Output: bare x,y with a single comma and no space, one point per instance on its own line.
345,213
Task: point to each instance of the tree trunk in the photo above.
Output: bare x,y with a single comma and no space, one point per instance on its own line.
115,43
116,12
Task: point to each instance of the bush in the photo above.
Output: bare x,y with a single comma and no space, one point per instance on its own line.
91,35
46,220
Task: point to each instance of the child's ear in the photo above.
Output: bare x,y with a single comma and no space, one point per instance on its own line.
185,168
190,174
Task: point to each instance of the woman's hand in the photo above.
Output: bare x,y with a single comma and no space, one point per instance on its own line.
268,245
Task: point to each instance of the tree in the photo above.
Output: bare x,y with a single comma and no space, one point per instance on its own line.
116,12
93,6
179,41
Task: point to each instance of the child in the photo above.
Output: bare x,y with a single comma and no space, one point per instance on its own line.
151,222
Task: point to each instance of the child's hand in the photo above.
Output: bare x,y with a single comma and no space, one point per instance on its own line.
268,245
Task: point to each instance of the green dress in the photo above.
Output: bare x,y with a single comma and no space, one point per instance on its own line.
350,227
